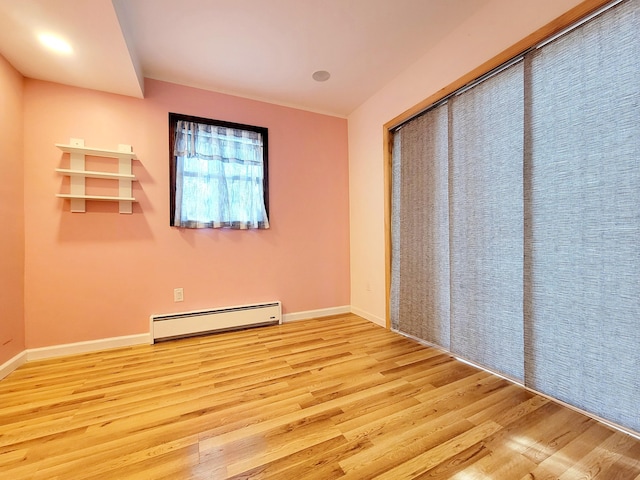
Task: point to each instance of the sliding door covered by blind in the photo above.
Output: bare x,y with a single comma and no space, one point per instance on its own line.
516,219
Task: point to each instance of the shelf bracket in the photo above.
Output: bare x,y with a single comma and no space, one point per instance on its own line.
124,185
76,186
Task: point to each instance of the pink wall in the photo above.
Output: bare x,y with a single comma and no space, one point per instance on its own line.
101,274
11,213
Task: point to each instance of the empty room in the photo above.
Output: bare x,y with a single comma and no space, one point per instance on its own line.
320,239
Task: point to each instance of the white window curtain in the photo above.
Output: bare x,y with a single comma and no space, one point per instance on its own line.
219,177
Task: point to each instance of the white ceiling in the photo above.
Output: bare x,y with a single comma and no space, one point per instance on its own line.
262,49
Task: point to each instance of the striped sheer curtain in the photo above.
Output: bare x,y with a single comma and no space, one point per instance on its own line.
219,177
535,271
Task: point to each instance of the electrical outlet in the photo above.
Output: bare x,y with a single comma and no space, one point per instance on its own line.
178,294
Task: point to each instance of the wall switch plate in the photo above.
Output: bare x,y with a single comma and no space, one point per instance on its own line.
178,294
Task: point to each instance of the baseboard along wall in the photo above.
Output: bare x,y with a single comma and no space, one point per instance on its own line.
54,351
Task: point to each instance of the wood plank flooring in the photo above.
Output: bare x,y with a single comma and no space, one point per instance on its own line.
333,398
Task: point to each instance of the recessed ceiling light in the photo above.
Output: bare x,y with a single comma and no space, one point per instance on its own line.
321,76
55,43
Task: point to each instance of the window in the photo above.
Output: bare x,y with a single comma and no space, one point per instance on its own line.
218,174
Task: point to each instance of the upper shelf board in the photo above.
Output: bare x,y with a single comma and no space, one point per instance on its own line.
96,152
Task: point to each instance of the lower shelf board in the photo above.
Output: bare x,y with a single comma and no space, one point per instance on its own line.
105,198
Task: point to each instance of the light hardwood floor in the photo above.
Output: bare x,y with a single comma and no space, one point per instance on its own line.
321,399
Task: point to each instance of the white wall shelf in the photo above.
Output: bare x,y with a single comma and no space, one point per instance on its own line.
95,152
77,175
103,198
90,174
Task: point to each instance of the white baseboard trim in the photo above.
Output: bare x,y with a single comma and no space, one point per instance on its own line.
54,351
86,347
309,314
10,365
366,315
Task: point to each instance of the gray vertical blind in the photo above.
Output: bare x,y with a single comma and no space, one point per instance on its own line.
422,287
396,212
535,271
583,345
486,209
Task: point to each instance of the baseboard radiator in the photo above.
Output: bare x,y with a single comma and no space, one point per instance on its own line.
201,322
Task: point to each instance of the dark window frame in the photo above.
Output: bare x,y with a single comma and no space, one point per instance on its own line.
175,117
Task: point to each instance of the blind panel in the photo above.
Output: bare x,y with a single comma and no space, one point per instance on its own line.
396,186
583,334
486,208
421,267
